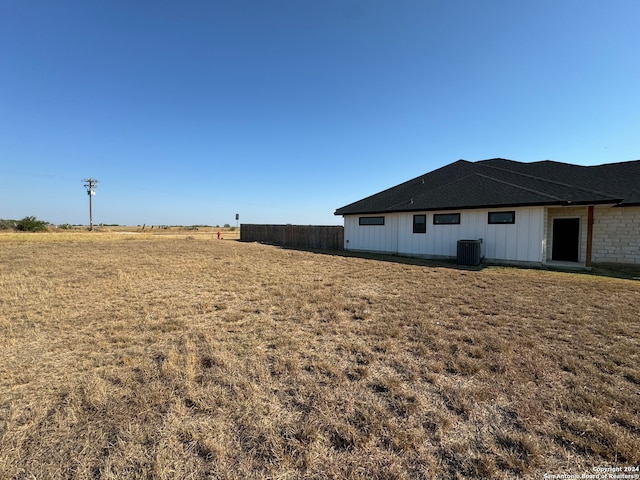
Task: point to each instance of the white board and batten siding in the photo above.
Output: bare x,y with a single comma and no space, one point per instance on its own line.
522,241
372,238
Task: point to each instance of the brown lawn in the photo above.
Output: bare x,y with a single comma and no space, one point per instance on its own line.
181,356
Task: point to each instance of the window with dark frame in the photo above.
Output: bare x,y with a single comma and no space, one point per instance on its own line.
371,221
499,218
446,219
419,224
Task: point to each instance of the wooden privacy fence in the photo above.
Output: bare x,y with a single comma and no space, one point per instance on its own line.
304,236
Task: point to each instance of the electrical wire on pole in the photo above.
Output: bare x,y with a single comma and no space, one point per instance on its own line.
90,184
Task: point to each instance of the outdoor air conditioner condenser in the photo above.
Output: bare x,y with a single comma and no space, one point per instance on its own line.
469,252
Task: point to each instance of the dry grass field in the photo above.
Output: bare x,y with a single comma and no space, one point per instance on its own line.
181,356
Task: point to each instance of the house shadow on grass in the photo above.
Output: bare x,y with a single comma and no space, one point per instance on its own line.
387,257
626,272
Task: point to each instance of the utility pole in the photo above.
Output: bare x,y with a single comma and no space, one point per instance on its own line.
90,185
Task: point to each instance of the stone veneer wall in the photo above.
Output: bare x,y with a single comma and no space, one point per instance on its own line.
616,235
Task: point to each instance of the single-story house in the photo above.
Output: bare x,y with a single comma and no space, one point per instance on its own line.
539,213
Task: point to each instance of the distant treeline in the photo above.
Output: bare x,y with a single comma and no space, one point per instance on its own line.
27,224
186,227
32,224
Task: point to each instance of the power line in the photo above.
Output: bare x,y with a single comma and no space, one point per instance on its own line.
90,184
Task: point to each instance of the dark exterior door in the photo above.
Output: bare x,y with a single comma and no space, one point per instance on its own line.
566,239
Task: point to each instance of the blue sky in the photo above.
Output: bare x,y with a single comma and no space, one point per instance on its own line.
188,112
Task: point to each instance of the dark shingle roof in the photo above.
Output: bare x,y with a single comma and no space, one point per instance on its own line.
501,183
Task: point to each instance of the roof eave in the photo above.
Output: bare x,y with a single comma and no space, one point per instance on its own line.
565,203
454,207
